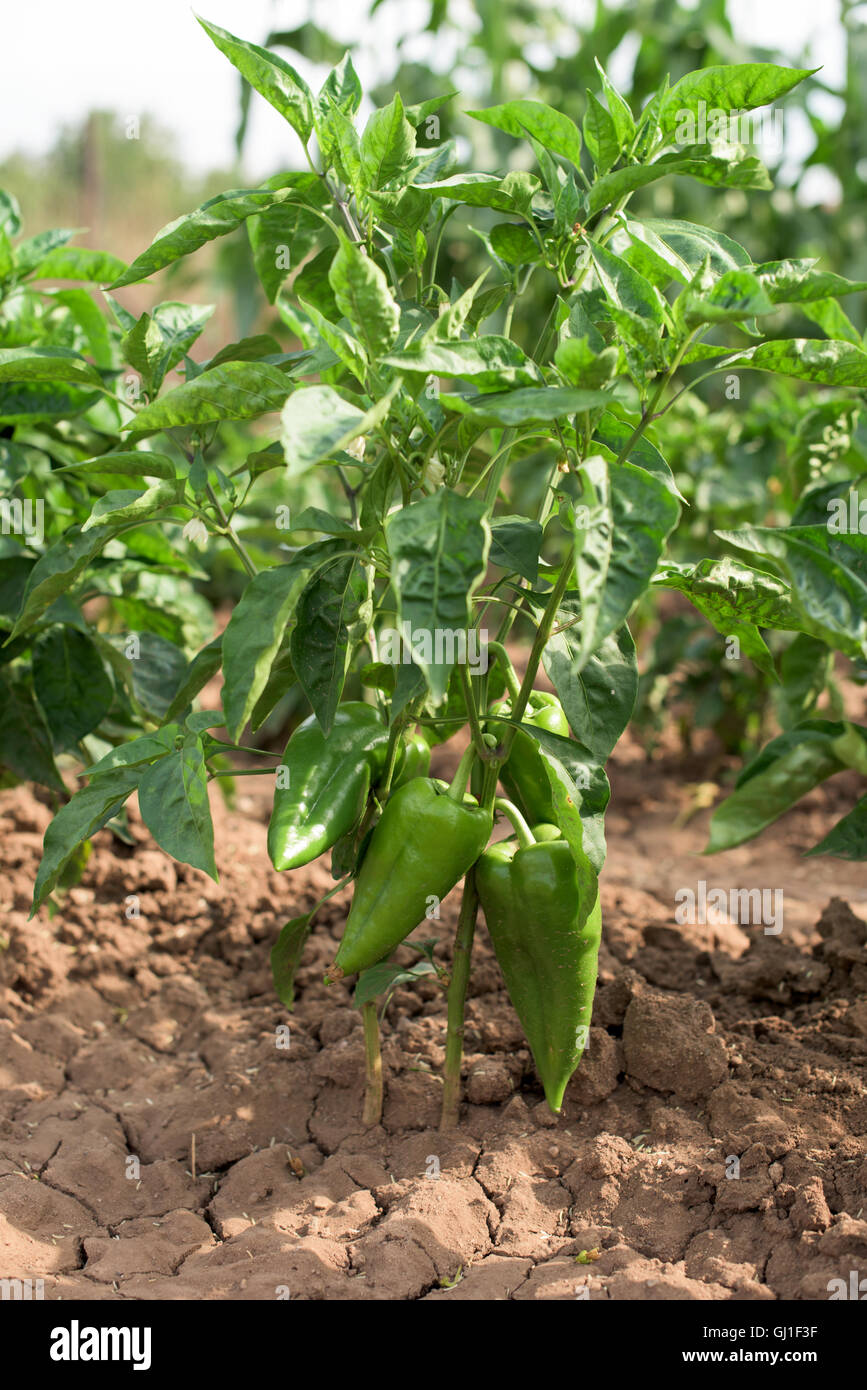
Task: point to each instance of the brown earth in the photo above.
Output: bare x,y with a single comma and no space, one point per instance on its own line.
713,1144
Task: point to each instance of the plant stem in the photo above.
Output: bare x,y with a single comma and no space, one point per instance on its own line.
521,828
372,1113
457,998
497,650
231,536
473,713
459,781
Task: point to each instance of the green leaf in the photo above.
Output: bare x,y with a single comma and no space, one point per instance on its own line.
133,463
515,546
848,838
284,232
599,698
797,282
85,813
318,423
526,405
624,122
614,434
579,777
439,549
537,120
736,295
286,956
10,213
30,252
600,134
281,678
46,364
204,665
71,684
826,361
235,391
25,741
173,801
387,146
731,170
382,979
80,263
255,630
56,571
685,247
326,621
490,359
789,767
363,296
728,87
215,218
342,87
514,243
620,530
126,504
346,348
156,672
828,576
272,77
341,147
92,322
138,751
737,600
625,287
510,194
805,668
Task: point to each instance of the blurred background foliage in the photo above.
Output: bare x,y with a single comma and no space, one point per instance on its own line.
737,461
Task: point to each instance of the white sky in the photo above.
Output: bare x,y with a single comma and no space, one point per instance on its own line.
153,57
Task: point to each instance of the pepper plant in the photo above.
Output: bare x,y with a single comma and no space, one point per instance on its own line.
438,411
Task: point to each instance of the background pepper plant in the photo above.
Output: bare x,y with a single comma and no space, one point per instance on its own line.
488,472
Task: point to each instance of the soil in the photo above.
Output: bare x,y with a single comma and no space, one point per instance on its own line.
169,1131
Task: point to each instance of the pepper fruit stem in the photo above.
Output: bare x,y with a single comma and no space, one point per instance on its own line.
522,829
499,651
459,781
457,998
372,1114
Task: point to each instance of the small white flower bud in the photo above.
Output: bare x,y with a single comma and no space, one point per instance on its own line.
197,532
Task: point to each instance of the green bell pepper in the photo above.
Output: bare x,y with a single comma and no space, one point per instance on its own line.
329,777
424,843
543,914
523,775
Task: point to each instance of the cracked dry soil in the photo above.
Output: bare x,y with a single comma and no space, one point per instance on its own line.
122,1038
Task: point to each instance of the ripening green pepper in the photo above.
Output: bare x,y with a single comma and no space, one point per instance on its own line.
544,919
524,775
424,843
414,760
329,777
